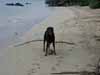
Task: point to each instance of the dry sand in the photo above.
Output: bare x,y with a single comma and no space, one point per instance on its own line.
72,24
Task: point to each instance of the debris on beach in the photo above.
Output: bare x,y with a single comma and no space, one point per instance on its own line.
14,4
28,3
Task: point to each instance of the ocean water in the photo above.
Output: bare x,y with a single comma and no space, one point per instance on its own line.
15,21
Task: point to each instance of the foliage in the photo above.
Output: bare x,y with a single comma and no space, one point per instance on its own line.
91,3
83,2
94,4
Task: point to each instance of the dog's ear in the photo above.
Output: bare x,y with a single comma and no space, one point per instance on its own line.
52,29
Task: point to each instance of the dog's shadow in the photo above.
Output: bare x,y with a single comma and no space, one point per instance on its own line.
51,52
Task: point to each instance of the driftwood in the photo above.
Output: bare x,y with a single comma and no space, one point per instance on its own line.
70,43
98,67
79,73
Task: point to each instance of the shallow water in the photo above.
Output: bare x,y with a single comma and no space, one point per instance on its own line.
15,21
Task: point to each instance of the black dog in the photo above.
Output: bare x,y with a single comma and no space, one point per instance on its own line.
49,37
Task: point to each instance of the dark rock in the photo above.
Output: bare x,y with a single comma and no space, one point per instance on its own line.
10,4
16,4
28,3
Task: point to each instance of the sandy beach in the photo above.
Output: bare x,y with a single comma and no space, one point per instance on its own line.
78,25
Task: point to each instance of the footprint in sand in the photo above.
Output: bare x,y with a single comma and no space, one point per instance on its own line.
60,57
34,69
41,57
70,50
60,61
36,66
57,64
29,74
31,71
53,68
90,65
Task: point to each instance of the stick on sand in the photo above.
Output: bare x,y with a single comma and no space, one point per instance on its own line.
70,43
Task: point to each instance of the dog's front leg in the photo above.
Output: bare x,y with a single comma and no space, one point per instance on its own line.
47,47
44,45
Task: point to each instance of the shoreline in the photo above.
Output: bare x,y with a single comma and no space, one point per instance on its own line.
50,21
18,21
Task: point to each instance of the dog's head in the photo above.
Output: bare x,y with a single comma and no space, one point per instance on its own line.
50,30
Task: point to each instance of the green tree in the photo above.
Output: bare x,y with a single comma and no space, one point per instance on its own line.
84,2
94,4
91,3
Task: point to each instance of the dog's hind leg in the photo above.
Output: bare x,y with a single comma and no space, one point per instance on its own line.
54,48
